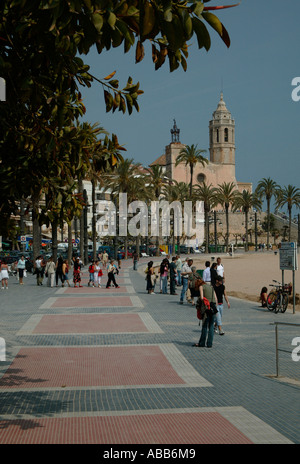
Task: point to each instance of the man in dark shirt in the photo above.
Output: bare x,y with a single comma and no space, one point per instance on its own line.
173,274
220,293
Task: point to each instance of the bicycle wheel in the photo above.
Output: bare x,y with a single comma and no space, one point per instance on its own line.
277,303
271,300
284,302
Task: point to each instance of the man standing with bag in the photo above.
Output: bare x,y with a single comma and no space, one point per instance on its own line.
207,295
185,272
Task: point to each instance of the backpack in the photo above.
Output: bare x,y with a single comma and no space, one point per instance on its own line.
202,306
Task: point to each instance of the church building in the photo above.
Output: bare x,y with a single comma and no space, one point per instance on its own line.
221,166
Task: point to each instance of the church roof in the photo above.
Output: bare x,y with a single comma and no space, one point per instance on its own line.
161,161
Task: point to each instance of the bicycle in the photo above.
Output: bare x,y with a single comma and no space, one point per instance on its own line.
278,298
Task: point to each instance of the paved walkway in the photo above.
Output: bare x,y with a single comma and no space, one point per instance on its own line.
117,366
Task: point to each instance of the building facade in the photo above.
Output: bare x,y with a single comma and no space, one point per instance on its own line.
222,154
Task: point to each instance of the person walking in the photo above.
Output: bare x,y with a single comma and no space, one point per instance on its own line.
4,274
97,269
105,259
220,291
92,274
112,270
193,278
185,272
207,295
39,270
76,273
21,266
178,268
207,273
150,278
164,270
220,269
213,273
65,271
50,271
135,258
58,271
173,276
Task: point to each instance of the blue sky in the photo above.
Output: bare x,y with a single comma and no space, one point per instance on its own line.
255,73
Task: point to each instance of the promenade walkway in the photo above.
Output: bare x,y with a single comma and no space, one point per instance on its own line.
117,366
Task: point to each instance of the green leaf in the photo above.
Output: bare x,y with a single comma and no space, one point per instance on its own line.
97,20
201,31
112,20
216,24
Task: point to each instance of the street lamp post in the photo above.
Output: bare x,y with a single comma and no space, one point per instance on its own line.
85,226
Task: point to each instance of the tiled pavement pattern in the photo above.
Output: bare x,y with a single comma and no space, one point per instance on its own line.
113,366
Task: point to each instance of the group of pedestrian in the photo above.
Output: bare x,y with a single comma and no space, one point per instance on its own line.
96,272
169,272
51,270
195,289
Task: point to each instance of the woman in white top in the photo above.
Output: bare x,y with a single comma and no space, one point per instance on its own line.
97,268
21,268
4,274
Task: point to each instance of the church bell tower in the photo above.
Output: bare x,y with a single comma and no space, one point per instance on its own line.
222,136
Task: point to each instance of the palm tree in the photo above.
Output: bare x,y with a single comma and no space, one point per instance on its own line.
226,193
207,194
175,191
267,188
191,156
156,179
104,156
120,180
288,196
246,201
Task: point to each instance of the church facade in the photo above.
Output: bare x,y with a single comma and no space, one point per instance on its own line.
222,151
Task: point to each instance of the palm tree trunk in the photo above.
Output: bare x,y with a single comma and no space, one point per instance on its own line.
290,222
54,224
227,228
246,225
36,234
191,184
206,229
70,242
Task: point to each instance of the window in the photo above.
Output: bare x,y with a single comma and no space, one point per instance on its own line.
217,135
201,178
226,135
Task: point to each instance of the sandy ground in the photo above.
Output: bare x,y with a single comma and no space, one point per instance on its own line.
247,273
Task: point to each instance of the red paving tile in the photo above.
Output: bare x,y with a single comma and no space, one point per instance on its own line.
93,290
90,323
173,428
91,302
86,366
